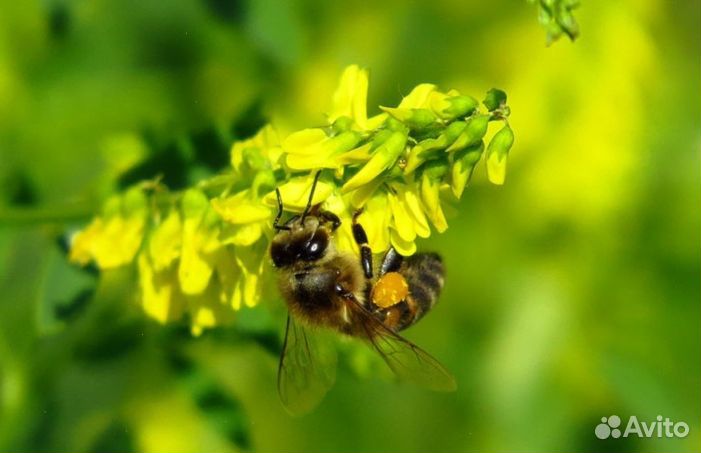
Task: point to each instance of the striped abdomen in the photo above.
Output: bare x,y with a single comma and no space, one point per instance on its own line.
423,275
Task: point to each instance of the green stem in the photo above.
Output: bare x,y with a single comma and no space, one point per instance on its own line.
45,214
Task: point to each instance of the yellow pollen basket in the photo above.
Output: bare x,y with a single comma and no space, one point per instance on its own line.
390,289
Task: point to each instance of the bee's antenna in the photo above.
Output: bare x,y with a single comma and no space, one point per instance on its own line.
311,196
276,225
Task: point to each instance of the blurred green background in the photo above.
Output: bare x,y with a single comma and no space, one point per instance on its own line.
572,292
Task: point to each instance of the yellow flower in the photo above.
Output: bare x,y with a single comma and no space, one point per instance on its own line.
262,151
313,149
160,293
375,219
430,196
207,310
166,241
199,242
387,151
245,217
295,192
350,99
113,239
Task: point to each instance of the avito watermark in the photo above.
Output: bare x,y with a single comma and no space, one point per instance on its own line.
661,427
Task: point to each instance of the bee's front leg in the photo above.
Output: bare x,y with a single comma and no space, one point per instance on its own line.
332,218
362,240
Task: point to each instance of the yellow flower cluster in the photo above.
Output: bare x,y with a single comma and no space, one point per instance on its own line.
203,252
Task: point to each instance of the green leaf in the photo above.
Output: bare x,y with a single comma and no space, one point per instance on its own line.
65,291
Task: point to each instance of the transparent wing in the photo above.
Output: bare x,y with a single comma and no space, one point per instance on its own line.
408,361
307,368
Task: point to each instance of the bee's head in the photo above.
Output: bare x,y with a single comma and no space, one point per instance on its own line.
305,240
302,238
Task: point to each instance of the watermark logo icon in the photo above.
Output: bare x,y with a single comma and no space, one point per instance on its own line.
661,427
608,427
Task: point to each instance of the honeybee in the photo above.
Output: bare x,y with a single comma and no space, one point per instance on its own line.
335,291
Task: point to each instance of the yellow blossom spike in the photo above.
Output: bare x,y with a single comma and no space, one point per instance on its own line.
207,246
350,98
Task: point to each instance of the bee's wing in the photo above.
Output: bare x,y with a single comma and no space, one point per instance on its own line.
307,368
408,361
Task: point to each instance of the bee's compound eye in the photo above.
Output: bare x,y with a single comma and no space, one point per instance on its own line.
315,248
281,254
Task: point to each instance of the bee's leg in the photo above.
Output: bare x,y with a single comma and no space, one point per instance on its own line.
391,261
362,240
329,216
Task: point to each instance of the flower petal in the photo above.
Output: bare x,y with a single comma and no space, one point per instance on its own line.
418,98
375,219
295,193
350,98
403,247
401,219
160,297
414,206
384,157
165,241
241,209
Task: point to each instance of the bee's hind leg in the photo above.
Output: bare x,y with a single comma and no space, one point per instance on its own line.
391,261
361,238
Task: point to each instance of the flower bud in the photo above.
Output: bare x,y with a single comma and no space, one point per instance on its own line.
412,118
497,151
494,99
432,147
463,165
473,133
458,107
312,148
384,157
430,193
